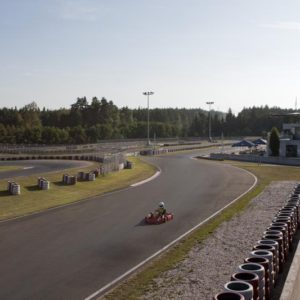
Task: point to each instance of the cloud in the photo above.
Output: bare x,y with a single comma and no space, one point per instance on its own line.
78,10
283,25
28,74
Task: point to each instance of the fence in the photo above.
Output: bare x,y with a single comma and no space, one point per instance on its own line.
257,159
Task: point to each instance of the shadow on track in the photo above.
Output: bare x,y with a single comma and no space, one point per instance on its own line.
141,223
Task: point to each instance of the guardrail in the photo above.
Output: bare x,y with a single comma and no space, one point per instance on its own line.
256,158
177,149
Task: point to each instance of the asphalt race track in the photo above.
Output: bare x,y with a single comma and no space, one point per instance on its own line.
31,167
71,252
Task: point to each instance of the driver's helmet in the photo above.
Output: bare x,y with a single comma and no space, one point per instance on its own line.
161,204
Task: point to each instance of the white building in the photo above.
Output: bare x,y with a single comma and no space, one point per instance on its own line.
290,140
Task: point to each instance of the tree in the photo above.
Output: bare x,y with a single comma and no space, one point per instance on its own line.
230,127
104,131
31,115
77,135
32,135
63,135
3,133
198,125
274,141
80,105
50,136
91,134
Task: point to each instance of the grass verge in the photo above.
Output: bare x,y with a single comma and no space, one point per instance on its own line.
10,168
138,284
33,199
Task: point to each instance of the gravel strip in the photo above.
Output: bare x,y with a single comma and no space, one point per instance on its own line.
209,265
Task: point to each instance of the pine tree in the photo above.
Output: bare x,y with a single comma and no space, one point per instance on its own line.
274,141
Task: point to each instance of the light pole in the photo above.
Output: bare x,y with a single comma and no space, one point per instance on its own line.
209,103
148,94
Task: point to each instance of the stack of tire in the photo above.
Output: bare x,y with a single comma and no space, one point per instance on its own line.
129,164
69,179
91,176
86,176
43,183
103,170
96,172
14,188
80,175
256,278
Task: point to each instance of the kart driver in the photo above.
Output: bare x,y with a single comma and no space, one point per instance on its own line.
161,210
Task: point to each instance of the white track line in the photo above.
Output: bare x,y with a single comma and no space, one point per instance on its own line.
27,168
146,180
170,244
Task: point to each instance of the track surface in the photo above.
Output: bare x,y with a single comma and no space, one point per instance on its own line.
31,167
70,252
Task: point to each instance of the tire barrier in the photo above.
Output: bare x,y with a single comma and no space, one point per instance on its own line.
267,259
69,179
269,256
92,177
56,157
291,230
87,176
109,163
13,188
228,296
251,278
275,245
292,220
97,172
285,241
291,204
259,271
285,236
281,247
43,183
241,287
128,165
82,176
275,258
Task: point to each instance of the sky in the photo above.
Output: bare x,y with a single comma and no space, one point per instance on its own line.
234,53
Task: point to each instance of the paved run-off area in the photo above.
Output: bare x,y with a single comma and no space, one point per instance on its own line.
210,264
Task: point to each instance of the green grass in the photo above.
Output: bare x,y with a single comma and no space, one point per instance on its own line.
10,168
138,284
33,199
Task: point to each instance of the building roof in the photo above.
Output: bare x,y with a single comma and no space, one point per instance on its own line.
260,142
243,143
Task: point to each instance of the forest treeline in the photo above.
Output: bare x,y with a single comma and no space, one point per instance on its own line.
92,121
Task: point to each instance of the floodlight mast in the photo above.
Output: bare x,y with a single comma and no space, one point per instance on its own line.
148,128
209,103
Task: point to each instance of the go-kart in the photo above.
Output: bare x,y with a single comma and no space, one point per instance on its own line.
153,218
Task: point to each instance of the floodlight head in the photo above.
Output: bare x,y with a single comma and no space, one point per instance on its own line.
148,93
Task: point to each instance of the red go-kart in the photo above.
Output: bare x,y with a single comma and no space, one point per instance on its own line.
156,219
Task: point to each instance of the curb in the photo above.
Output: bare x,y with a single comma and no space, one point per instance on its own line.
146,180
